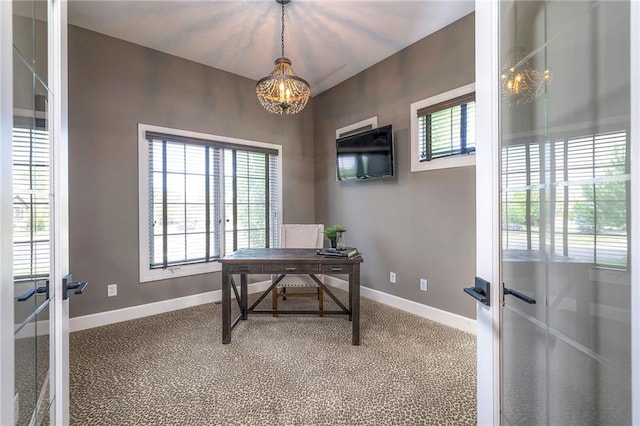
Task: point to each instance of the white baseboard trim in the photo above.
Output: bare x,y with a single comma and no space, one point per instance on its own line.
111,317
443,317
133,312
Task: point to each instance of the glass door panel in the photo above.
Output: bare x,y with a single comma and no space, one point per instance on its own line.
565,200
31,213
30,35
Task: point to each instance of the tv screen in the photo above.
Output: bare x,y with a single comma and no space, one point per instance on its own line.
366,155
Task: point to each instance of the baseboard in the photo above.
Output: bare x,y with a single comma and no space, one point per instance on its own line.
110,317
447,318
133,312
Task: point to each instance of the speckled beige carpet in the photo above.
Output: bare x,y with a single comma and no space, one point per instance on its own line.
172,369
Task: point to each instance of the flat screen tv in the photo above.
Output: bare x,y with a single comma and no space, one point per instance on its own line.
366,155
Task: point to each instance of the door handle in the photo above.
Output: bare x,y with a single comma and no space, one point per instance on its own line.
481,291
27,294
523,297
69,287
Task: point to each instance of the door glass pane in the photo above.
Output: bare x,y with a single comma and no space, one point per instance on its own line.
25,370
31,223
42,358
30,35
23,30
565,241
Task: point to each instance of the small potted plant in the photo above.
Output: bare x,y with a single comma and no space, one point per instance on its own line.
331,233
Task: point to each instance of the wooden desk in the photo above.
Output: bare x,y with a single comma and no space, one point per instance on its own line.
286,261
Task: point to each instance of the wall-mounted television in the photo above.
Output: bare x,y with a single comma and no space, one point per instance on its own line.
365,155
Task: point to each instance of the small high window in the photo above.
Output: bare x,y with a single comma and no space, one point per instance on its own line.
443,130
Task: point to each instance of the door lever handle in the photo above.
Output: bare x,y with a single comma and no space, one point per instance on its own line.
68,287
481,291
27,294
79,287
523,297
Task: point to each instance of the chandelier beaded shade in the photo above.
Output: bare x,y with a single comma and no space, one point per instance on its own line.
521,82
282,91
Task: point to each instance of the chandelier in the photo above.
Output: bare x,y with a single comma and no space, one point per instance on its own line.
521,82
282,92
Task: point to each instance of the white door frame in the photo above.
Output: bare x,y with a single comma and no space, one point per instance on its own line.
7,385
60,249
635,210
488,208
59,313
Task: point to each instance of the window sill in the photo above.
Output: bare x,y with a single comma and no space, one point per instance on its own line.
179,271
444,163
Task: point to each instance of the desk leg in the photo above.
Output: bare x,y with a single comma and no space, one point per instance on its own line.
244,295
354,303
226,305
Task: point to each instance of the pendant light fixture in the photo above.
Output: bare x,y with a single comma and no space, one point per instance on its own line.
521,82
282,92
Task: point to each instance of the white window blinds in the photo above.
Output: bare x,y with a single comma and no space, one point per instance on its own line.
31,212
447,128
572,194
207,199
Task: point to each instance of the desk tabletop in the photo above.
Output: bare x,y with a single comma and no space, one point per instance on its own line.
289,255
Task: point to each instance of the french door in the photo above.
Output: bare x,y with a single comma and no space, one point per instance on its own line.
33,218
558,187
565,212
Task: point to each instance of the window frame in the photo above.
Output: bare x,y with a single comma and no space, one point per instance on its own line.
460,160
148,274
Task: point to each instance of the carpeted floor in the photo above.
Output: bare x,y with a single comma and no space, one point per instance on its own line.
173,369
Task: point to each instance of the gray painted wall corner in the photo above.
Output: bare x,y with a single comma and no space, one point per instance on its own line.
418,225
113,86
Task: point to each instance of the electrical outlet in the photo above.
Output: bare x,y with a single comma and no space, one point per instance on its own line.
112,290
423,284
392,277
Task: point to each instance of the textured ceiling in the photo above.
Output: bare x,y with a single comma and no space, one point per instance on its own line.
327,41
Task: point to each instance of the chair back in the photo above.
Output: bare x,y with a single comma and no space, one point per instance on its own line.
301,235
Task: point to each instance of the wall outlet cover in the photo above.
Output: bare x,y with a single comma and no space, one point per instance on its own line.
112,290
392,277
423,284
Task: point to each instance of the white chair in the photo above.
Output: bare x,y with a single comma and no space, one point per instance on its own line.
299,236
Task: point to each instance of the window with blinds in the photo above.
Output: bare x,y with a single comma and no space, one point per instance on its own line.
208,199
31,207
250,181
447,128
587,195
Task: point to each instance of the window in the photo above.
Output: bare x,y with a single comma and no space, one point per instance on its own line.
31,213
360,126
201,197
585,186
448,128
443,130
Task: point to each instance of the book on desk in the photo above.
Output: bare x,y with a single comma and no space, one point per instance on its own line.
349,252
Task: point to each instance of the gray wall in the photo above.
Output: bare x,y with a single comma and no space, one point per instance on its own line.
418,224
113,86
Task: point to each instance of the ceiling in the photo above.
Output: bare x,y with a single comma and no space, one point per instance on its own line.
327,41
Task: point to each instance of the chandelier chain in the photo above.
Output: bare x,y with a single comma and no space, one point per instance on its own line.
282,34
